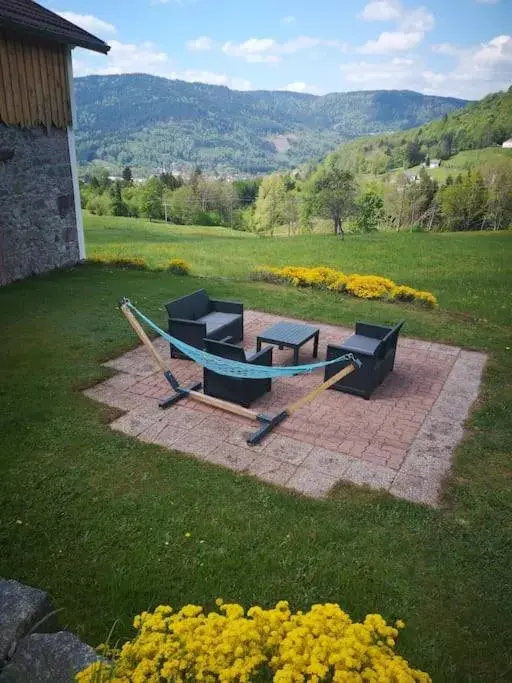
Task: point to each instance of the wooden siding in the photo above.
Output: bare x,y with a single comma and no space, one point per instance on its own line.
34,86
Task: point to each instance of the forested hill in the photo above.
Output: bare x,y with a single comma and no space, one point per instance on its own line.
482,124
150,122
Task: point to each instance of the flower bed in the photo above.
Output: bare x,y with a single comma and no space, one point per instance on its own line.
178,266
361,286
323,644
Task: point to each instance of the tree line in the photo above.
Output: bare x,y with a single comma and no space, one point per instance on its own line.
478,199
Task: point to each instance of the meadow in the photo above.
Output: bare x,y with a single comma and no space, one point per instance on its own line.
465,271
111,526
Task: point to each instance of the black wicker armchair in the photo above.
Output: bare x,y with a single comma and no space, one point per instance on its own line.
196,317
375,347
239,390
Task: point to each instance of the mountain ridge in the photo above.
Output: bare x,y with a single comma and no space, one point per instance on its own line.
152,122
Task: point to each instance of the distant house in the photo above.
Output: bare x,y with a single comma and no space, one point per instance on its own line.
412,177
507,144
40,218
434,163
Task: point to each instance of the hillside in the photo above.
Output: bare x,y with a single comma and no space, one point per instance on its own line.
150,122
479,125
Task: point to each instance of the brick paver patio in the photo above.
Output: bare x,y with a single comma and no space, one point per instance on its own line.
401,440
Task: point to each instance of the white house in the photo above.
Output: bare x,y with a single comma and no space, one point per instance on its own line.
507,144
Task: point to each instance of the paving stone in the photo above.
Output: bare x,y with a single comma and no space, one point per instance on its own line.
271,470
425,466
120,381
416,489
328,462
132,424
151,434
237,459
310,483
183,418
291,450
368,474
21,608
48,658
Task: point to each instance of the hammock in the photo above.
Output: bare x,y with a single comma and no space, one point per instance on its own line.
231,368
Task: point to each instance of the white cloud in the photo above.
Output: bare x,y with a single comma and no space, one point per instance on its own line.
270,51
395,73
200,44
419,19
479,70
300,86
147,58
411,26
88,22
381,10
392,41
447,49
288,20
200,76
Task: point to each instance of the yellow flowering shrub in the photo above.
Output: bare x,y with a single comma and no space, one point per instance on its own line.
178,266
369,286
111,259
361,286
323,644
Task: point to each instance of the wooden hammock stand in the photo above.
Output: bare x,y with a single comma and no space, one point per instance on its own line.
268,422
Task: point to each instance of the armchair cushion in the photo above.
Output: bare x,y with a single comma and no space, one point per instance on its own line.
359,343
215,320
194,317
375,346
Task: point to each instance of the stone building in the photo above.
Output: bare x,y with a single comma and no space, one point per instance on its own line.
40,218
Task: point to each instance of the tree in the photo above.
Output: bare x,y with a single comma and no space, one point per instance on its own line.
118,207
184,205
127,175
330,193
498,180
413,154
464,203
268,211
370,210
170,181
151,198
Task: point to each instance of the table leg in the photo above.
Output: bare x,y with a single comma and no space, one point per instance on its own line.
315,345
258,344
296,355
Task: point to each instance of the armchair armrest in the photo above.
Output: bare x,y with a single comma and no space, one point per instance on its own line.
263,357
374,331
183,321
226,306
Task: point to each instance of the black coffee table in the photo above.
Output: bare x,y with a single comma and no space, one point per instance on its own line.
291,335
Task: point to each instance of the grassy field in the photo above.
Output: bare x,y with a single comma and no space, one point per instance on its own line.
464,161
99,519
465,271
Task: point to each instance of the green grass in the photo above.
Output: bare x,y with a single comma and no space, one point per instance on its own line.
103,517
465,161
464,270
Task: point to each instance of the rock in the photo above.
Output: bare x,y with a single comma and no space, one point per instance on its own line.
48,658
21,609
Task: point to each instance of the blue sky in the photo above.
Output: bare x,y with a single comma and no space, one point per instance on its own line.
461,48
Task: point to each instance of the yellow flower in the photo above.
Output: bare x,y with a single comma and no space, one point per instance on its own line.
235,646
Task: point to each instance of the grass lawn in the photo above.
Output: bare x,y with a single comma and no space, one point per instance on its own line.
99,519
464,161
465,271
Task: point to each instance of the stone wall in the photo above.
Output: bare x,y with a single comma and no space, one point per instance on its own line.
37,212
32,649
